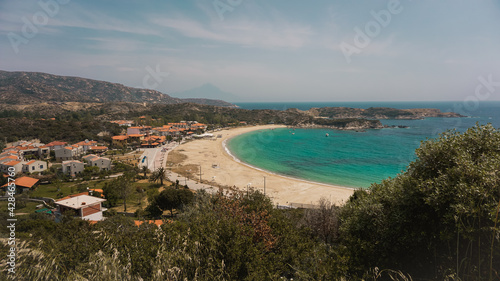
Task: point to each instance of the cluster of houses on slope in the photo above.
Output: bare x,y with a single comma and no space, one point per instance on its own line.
18,157
148,137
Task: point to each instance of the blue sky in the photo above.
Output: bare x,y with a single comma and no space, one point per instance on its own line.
263,50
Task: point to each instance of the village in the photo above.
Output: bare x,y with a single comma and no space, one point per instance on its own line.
62,178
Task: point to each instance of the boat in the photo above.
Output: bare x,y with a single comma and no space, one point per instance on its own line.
327,135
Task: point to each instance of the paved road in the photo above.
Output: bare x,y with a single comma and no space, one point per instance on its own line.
157,157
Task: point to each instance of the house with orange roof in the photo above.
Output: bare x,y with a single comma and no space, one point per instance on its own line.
102,163
98,149
180,125
13,165
83,206
68,153
86,144
127,123
43,151
34,166
135,138
24,183
72,167
119,141
56,145
139,130
96,190
8,158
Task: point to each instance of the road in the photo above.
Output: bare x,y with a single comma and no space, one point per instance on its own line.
157,157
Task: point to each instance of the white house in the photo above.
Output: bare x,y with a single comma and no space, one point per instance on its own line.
83,206
56,145
67,153
72,167
86,144
96,161
34,166
15,165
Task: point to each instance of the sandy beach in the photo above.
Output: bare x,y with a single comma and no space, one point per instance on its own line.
219,167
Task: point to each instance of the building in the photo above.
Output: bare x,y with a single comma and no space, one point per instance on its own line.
126,123
34,166
56,145
67,153
13,165
83,206
98,149
72,167
24,184
43,151
7,157
102,163
135,138
119,141
86,144
139,130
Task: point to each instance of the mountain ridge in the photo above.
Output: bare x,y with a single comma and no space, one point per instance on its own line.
207,91
21,87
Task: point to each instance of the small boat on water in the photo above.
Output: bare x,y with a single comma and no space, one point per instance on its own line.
327,134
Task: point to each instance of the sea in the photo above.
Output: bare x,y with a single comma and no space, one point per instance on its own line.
349,158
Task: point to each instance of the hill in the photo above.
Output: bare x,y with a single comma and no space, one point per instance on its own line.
36,87
208,91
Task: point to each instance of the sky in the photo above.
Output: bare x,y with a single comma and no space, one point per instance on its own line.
262,50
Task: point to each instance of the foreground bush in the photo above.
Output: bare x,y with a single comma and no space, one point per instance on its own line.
437,219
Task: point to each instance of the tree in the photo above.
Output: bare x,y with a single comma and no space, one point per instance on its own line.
170,199
443,210
158,175
119,188
145,170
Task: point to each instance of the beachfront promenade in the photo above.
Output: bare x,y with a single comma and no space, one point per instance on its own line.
157,157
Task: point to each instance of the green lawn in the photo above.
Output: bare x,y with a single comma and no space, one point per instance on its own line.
135,200
51,190
21,206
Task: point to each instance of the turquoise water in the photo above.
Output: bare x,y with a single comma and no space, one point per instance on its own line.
353,159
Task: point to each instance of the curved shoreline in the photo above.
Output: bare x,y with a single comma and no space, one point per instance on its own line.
228,151
219,166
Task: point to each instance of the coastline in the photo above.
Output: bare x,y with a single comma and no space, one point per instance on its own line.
227,170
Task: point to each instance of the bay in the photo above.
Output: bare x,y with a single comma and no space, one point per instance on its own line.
348,158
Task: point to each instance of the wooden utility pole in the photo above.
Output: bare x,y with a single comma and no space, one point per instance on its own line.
264,185
200,173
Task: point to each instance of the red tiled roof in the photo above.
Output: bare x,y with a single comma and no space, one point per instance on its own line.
24,182
31,162
54,143
9,157
12,163
120,137
98,147
156,222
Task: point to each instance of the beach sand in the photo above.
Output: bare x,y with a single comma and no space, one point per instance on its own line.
220,168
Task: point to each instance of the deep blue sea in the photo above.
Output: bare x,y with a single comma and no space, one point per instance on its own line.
352,159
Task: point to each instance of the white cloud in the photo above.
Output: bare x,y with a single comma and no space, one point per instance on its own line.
242,33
